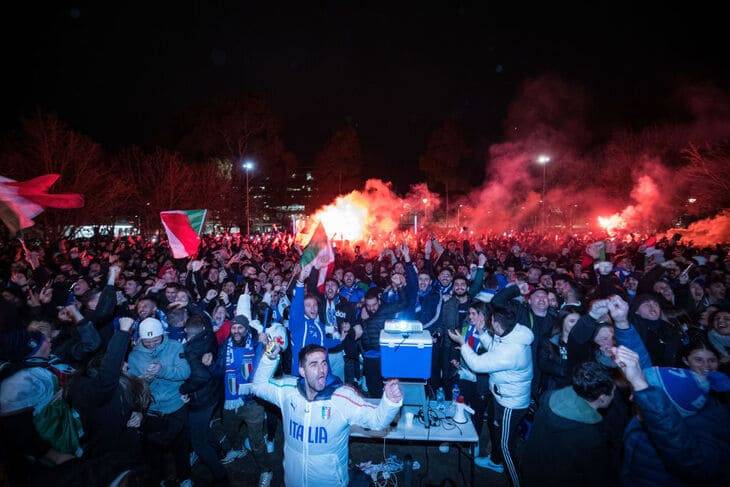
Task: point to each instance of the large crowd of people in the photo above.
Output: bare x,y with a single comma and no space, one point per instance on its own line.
586,362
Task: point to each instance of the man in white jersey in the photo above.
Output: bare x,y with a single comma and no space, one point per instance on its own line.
318,412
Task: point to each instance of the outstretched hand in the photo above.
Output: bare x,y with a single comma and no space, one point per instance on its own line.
628,362
306,271
456,337
393,391
619,310
599,308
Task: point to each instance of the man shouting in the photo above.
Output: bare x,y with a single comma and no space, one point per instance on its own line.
318,412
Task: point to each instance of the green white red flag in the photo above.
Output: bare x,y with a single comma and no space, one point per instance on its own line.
319,253
183,229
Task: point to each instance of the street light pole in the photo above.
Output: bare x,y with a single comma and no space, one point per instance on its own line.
247,166
544,168
543,159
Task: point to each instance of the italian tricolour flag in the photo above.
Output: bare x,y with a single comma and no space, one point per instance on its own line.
319,252
183,229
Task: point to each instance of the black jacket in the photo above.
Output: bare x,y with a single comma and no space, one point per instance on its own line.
553,365
662,339
99,400
202,387
373,325
344,312
567,444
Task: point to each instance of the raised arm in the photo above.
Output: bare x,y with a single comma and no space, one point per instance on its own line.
268,389
476,285
357,411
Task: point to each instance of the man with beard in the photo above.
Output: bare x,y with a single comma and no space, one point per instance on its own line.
424,301
454,311
146,308
318,412
368,276
338,316
533,314
350,289
238,358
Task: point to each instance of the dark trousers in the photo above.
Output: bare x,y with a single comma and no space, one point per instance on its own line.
202,440
478,402
352,370
273,418
503,423
442,371
373,379
251,413
168,433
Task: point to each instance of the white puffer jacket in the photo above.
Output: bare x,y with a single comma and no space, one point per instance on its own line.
508,361
316,432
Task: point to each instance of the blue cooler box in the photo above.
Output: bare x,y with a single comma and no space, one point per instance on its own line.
405,355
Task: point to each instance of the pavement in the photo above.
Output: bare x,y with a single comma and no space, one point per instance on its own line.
436,468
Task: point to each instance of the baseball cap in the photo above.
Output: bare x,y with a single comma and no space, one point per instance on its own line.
151,328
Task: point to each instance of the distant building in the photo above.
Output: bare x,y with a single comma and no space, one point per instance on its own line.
280,207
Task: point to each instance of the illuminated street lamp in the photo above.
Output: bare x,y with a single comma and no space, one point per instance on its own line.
415,215
248,167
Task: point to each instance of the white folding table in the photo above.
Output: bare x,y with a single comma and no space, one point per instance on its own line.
446,431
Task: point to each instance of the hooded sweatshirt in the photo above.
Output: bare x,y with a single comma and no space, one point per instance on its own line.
567,445
165,387
508,361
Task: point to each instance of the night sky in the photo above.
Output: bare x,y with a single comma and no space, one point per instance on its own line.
121,73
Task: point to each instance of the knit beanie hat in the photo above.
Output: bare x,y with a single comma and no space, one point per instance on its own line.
686,390
641,299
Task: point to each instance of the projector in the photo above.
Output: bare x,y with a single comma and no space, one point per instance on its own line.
403,326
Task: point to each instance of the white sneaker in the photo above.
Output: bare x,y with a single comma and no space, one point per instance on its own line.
186,483
233,455
270,446
265,479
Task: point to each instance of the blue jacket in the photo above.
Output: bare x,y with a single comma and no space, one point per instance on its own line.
424,306
669,450
631,339
305,331
175,370
353,294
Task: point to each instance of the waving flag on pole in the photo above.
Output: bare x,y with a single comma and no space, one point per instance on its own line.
183,229
21,201
319,250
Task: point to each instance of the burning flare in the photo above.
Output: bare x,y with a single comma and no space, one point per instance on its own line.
372,215
344,219
612,223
